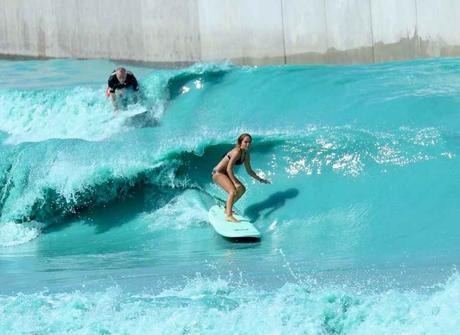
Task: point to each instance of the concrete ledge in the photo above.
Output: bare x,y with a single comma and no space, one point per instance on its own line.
257,32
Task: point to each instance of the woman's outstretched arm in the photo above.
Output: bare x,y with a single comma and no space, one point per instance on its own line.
250,171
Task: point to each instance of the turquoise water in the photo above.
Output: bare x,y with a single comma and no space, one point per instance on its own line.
103,226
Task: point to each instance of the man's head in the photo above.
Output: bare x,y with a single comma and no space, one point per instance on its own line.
121,74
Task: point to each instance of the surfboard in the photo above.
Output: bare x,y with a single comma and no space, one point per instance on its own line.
141,120
234,230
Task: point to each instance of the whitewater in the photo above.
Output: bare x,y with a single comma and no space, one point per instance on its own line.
103,219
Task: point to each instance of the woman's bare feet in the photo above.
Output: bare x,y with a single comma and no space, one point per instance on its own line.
231,218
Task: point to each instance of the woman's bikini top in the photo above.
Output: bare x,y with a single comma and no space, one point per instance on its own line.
239,161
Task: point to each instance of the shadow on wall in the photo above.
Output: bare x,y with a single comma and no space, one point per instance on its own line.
271,204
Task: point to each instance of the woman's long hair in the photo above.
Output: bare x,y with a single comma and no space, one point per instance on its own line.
241,138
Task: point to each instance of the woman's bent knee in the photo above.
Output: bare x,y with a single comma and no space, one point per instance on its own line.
233,192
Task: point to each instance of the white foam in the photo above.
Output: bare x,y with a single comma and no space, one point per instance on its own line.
18,233
180,213
80,113
207,306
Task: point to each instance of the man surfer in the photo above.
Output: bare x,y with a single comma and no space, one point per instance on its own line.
118,82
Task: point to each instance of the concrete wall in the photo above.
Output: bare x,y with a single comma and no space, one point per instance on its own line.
172,32
241,30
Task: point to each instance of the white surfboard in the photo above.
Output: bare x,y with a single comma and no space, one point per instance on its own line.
241,229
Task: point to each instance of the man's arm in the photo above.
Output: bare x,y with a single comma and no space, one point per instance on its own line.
112,93
133,81
114,101
135,85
